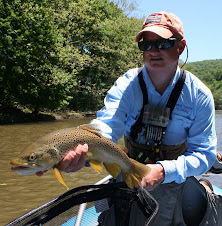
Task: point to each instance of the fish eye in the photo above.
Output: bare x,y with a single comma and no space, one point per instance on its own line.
32,157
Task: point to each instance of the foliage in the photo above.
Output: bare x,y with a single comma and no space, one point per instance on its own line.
210,72
55,53
28,46
100,40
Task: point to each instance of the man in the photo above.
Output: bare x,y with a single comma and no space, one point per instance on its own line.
180,142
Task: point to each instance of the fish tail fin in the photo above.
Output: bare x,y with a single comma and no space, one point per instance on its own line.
59,177
136,174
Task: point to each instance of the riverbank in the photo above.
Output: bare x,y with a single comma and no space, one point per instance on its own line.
11,116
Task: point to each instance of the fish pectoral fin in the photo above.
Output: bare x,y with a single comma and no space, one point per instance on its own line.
90,130
113,169
59,177
96,165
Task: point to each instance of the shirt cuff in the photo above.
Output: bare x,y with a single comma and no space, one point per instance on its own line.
170,170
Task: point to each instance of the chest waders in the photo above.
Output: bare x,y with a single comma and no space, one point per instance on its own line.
155,131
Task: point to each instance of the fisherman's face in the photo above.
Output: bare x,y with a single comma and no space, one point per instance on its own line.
156,59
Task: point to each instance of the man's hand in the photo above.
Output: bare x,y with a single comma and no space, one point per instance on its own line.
154,178
73,160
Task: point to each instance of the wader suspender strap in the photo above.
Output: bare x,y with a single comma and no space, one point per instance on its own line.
137,127
174,96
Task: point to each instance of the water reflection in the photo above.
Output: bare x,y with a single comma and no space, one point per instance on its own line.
19,194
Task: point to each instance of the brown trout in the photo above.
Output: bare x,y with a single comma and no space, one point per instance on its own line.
46,153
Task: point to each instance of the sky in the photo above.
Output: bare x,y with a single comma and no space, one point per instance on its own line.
202,22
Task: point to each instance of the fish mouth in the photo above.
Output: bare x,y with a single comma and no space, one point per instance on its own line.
22,166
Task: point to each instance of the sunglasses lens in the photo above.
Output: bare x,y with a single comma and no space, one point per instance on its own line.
160,44
165,44
145,45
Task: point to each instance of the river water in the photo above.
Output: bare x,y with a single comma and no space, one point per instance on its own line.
19,194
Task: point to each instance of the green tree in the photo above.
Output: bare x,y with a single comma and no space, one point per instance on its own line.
28,56
63,52
210,72
99,39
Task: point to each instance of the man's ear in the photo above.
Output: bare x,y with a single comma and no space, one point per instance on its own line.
182,45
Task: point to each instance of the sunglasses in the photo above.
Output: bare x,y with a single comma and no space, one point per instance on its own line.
159,44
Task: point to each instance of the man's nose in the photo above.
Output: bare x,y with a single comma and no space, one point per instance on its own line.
154,49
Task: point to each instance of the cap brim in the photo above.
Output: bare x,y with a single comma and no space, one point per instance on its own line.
161,31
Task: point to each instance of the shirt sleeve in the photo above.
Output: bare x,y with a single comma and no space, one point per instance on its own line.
117,107
201,144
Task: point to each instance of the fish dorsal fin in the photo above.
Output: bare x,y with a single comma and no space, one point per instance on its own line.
91,130
96,165
59,177
113,169
124,149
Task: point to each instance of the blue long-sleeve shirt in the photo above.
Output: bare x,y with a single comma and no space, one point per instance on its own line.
193,120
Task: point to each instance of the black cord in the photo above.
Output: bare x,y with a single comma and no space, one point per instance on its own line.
186,57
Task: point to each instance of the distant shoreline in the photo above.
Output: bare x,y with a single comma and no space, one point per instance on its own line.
16,116
13,117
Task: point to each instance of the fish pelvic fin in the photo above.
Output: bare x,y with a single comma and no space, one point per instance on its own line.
96,165
136,174
59,177
112,168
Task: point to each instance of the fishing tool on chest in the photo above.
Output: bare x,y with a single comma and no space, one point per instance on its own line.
151,124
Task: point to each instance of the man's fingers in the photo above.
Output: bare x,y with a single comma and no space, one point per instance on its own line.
154,178
66,161
39,174
74,159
